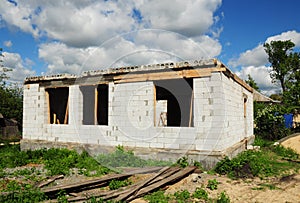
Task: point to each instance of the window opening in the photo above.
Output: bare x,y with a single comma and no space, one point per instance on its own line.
95,104
58,105
174,102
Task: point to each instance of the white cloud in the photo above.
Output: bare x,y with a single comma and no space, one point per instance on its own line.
143,47
89,34
261,75
289,35
257,56
19,69
89,23
254,62
7,43
18,16
190,17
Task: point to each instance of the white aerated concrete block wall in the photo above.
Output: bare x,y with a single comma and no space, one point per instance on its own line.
33,111
219,112
219,120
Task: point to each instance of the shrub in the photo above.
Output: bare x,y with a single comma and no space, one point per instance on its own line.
182,196
183,162
116,184
200,194
270,122
223,198
157,197
212,184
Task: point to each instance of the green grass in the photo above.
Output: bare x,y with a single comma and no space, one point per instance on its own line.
126,158
269,161
199,195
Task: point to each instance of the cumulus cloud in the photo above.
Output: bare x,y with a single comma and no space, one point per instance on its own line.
19,68
89,23
135,48
254,62
89,34
261,75
257,55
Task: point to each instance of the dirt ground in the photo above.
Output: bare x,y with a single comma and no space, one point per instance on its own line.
292,142
286,189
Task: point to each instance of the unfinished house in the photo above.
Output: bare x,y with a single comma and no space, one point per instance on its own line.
198,109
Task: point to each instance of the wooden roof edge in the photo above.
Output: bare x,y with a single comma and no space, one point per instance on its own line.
236,78
130,69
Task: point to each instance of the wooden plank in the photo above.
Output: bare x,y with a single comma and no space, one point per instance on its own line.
135,189
91,183
82,185
191,108
67,112
96,107
154,105
174,74
114,194
48,181
48,106
54,118
175,177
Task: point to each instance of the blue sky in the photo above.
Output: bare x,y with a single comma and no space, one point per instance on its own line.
71,36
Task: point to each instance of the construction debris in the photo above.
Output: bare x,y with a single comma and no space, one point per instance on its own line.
82,191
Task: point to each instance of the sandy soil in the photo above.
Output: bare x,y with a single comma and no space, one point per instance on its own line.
292,142
250,190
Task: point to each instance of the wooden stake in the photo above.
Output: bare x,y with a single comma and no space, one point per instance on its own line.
96,107
67,113
191,109
54,118
154,105
48,107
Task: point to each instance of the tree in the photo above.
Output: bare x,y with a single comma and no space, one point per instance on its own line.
285,69
10,96
250,81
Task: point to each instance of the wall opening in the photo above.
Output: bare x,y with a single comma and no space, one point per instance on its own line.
245,106
95,104
58,105
176,97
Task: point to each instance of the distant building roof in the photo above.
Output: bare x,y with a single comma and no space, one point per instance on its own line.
257,96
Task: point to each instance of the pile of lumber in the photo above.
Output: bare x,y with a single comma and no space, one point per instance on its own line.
160,178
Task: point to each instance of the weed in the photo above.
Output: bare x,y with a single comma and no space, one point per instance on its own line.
182,196
126,158
248,164
157,197
20,192
183,162
198,165
116,184
62,198
223,198
200,194
285,152
212,184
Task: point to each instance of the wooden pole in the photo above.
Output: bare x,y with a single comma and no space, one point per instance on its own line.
48,108
67,113
96,106
154,105
191,109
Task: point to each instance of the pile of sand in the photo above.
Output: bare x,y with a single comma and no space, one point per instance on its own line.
292,141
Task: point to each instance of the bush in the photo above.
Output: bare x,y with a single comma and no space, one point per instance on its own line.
269,122
126,158
182,196
212,184
223,198
261,163
200,194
